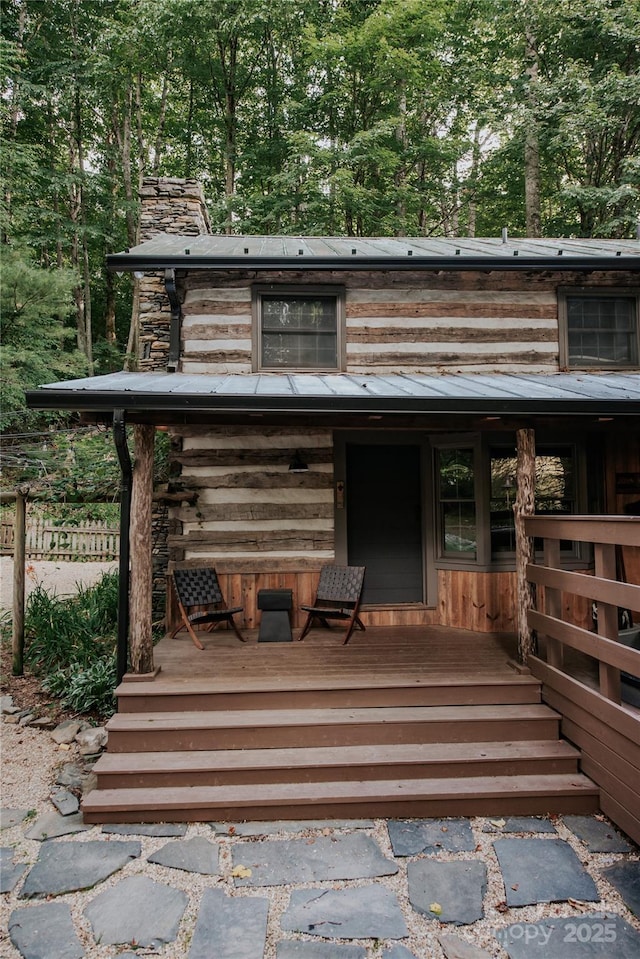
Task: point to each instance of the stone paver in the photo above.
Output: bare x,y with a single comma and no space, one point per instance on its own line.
69,866
10,871
625,877
51,825
599,836
237,926
521,824
65,802
288,949
448,891
137,910
192,855
412,837
280,862
45,932
456,948
588,936
158,829
397,951
542,870
11,817
251,829
365,912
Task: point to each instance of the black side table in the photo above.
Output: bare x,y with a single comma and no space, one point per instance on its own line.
275,622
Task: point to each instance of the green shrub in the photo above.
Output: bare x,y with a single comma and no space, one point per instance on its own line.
73,642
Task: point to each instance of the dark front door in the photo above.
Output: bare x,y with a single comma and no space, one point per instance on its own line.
384,520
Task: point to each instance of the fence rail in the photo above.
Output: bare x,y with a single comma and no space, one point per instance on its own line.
581,670
45,540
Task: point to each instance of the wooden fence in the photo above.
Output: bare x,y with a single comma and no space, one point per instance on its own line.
44,540
580,669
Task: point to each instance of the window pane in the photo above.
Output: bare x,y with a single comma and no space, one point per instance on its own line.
456,474
299,332
458,521
555,491
602,331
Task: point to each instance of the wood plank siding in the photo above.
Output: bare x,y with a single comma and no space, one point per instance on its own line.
476,322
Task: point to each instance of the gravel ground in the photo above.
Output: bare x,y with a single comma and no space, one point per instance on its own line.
62,578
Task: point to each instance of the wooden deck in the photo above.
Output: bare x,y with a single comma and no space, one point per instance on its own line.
402,721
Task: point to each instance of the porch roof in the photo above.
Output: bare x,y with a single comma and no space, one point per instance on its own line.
475,394
171,251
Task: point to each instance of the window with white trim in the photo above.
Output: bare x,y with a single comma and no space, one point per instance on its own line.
298,330
599,329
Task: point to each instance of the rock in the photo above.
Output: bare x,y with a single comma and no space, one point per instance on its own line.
13,719
66,732
43,722
45,932
138,910
65,802
6,704
456,948
11,817
71,775
598,835
10,872
92,740
585,936
237,926
52,824
157,829
192,855
292,949
412,837
542,870
625,877
282,861
70,866
363,912
27,719
458,888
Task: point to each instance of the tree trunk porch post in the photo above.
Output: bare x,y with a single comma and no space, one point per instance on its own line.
524,506
140,600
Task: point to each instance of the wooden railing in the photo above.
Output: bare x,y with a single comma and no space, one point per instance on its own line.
588,691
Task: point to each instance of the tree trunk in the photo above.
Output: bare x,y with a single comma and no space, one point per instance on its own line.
524,506
140,604
532,142
19,536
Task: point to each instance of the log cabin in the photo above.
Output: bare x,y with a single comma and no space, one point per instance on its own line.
460,416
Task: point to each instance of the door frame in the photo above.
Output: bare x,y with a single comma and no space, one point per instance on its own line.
342,438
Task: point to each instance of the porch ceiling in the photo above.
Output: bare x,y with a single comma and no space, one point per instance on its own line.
392,396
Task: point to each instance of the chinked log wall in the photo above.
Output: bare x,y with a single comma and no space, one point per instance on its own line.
474,322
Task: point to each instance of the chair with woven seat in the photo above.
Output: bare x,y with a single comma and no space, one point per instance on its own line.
338,597
201,602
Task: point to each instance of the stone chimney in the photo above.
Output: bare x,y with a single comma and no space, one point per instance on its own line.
168,205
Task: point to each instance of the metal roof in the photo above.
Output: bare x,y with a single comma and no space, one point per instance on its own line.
168,250
309,393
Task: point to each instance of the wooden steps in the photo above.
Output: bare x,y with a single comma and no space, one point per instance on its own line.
477,796
370,762
390,729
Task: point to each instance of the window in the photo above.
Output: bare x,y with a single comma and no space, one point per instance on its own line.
555,491
598,329
457,503
298,330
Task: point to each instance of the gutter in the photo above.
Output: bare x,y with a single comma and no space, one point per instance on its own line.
130,262
101,401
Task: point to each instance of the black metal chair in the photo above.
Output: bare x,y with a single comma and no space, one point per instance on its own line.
201,602
338,597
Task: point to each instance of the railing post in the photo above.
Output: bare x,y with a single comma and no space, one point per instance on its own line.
607,621
18,581
553,602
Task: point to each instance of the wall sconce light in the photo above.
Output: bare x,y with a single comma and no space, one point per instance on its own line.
297,464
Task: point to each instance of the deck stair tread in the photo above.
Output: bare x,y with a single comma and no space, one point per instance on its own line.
297,796
334,716
197,760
